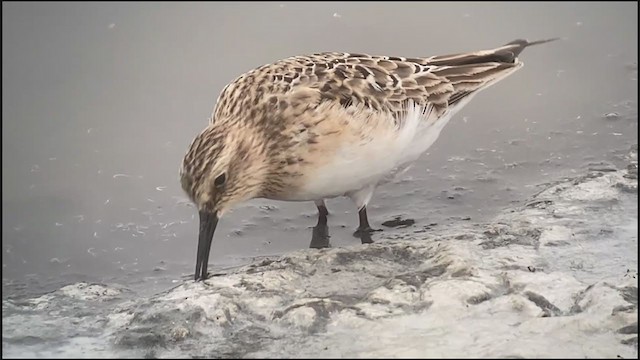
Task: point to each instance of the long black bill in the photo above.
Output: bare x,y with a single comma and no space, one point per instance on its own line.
208,223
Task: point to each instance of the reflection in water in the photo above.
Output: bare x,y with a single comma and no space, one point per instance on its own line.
320,237
364,229
320,234
365,236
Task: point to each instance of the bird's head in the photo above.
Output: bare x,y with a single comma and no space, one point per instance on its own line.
220,169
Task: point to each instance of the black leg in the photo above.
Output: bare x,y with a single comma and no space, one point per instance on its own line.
322,212
364,220
320,236
364,229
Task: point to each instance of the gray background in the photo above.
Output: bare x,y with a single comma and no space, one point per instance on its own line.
100,101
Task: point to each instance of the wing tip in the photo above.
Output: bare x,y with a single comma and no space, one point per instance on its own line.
518,45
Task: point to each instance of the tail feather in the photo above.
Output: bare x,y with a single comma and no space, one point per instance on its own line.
471,72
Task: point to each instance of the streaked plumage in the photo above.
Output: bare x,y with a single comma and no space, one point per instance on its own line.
307,128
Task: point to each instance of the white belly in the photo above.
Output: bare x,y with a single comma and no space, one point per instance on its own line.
358,165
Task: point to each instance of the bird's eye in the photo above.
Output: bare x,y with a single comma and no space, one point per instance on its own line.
220,180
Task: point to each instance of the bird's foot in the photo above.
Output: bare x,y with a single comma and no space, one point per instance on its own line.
364,234
366,230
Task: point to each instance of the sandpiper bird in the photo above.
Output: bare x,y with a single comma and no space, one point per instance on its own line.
308,128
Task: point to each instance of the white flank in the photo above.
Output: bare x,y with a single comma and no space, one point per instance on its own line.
360,165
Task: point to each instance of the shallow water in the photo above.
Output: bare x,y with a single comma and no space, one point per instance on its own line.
100,102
